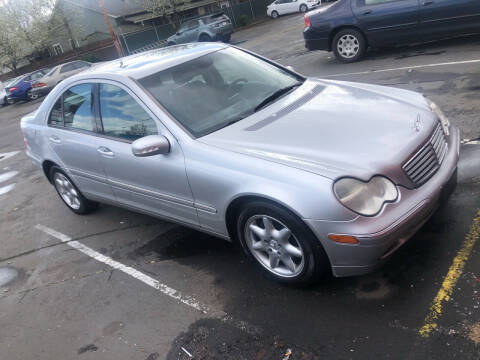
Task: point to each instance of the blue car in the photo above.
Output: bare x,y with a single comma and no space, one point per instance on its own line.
349,27
20,88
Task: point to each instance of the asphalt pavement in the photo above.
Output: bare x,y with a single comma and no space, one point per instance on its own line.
120,285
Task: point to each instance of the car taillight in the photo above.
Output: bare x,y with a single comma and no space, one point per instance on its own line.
12,89
38,85
307,21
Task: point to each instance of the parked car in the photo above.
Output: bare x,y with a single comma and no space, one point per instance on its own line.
299,170
59,73
282,7
20,88
206,28
349,27
3,91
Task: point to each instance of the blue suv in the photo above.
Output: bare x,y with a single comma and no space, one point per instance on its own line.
21,88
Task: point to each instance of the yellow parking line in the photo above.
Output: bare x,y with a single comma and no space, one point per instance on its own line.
451,279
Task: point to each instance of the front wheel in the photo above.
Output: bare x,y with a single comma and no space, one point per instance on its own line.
349,45
274,14
280,244
69,193
303,8
204,38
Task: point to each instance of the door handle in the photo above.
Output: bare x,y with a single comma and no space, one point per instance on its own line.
55,139
366,12
105,151
427,2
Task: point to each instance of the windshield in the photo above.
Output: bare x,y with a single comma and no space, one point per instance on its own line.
215,90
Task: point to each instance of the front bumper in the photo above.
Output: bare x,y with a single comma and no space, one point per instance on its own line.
380,236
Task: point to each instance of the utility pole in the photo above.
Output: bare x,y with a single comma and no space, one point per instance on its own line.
109,25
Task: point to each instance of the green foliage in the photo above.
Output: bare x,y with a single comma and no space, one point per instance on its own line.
243,20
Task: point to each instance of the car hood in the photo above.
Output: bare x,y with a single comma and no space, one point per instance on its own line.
335,129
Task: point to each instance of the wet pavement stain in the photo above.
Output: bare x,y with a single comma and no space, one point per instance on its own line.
214,339
180,242
419,53
87,348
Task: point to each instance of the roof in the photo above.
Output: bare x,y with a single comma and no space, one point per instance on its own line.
114,8
141,65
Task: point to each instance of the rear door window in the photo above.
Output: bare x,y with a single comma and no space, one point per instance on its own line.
56,116
67,68
81,65
78,110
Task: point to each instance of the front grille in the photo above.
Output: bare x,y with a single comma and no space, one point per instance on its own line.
426,162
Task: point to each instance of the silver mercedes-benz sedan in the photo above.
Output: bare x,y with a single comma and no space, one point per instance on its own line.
308,175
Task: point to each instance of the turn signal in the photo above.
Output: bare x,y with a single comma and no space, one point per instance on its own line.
344,239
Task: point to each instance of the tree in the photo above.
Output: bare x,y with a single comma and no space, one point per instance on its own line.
30,21
10,51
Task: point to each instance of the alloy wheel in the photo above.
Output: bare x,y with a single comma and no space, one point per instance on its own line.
348,46
274,246
31,95
67,191
303,8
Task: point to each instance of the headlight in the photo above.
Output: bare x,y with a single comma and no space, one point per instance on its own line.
365,198
443,118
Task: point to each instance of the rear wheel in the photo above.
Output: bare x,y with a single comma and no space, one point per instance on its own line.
280,244
10,101
303,8
69,193
274,14
349,45
32,95
204,38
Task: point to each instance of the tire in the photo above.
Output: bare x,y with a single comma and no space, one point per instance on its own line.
227,38
10,101
298,247
32,96
274,14
204,38
349,45
303,8
82,206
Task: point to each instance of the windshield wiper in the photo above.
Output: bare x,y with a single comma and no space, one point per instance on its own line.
276,95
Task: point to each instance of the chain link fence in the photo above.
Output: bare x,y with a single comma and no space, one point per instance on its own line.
155,36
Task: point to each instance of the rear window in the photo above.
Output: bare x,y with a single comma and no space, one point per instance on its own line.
214,18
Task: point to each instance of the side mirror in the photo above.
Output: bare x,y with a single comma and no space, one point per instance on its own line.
151,145
289,67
